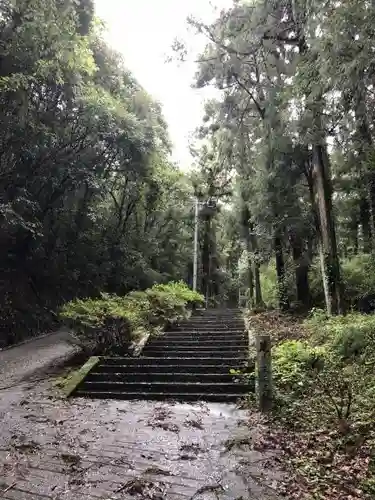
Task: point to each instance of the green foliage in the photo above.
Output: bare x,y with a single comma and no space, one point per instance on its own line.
358,275
181,291
358,278
350,338
331,371
269,285
89,200
111,321
295,362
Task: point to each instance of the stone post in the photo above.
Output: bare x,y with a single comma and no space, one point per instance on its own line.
264,372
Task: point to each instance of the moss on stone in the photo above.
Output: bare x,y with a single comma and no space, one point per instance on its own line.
69,383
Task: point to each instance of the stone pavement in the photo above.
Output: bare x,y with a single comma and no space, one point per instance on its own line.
52,448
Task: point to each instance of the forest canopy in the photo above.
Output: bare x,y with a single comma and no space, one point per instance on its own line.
89,198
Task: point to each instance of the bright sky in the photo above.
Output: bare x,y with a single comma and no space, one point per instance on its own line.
143,32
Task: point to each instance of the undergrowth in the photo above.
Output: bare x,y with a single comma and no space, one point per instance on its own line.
324,383
110,323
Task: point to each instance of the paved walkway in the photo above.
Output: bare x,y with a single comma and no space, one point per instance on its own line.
20,362
51,448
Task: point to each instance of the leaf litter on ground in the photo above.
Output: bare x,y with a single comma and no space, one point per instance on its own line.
320,466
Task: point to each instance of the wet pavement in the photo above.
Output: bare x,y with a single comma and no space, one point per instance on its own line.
53,448
20,362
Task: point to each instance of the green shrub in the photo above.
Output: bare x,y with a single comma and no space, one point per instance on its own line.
180,290
110,322
350,338
294,361
165,307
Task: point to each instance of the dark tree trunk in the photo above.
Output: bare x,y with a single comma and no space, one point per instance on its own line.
250,275
301,264
364,215
280,271
366,145
354,234
371,200
245,215
214,264
256,266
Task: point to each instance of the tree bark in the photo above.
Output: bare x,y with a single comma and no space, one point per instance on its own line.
247,240
280,271
354,234
301,270
365,146
364,215
206,257
250,275
256,266
329,256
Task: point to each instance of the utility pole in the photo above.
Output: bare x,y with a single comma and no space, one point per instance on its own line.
195,258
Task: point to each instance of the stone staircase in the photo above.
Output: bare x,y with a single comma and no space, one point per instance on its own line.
190,362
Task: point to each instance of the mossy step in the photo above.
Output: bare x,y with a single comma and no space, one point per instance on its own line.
76,377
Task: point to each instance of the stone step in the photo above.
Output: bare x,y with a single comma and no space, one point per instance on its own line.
189,355
151,377
216,324
207,331
166,340
164,387
193,349
173,360
190,362
204,340
162,396
204,333
180,368
204,329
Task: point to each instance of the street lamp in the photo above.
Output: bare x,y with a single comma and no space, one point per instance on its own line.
195,256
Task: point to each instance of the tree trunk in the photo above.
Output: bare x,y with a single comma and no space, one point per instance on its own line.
354,234
329,257
322,188
366,146
364,215
280,271
256,266
214,264
246,231
301,270
250,275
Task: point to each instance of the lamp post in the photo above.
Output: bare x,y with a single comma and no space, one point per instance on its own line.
195,256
